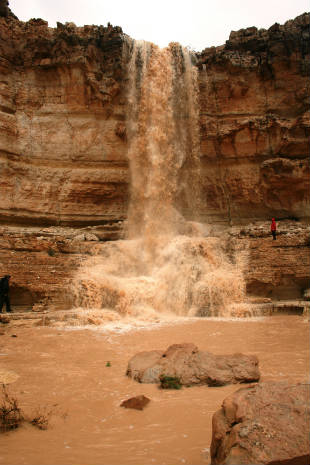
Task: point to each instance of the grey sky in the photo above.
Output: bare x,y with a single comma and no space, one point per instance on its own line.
196,23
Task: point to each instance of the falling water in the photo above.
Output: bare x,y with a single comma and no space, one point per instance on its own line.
167,264
163,134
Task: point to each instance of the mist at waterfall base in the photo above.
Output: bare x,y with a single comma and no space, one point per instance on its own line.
168,266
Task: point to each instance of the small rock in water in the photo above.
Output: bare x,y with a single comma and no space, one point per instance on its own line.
138,402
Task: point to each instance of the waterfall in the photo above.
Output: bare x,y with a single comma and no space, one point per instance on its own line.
163,137
167,263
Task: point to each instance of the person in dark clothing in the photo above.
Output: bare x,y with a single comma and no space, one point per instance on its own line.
4,293
273,229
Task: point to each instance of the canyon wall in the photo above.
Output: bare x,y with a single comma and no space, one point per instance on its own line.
64,170
63,137
255,123
62,112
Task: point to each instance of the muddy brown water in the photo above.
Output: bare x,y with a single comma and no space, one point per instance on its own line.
69,368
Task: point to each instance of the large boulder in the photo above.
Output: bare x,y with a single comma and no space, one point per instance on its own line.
267,423
192,367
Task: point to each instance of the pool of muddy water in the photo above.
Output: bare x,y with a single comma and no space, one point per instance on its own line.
69,367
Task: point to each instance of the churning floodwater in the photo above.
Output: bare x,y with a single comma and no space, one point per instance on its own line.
68,372
168,264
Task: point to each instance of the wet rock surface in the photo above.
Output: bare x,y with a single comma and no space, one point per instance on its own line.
193,367
263,424
137,403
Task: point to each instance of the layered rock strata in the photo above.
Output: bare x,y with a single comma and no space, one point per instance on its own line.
41,261
62,111
63,151
276,269
63,138
254,94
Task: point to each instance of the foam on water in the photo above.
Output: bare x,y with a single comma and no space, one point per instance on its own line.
188,276
127,324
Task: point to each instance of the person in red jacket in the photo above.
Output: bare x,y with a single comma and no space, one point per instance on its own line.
273,229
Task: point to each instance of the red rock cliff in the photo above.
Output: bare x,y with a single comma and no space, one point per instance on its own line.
63,149
62,111
63,140
62,107
255,123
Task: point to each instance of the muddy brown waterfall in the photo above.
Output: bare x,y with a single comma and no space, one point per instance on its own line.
168,264
163,128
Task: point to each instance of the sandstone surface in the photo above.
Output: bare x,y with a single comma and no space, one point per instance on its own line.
275,269
263,424
193,367
62,110
41,262
63,106
255,123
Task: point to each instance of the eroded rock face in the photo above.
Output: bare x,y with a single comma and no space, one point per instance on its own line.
276,269
63,148
263,424
42,261
62,110
193,367
255,123
63,142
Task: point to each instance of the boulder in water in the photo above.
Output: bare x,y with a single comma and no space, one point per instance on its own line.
137,403
267,423
193,367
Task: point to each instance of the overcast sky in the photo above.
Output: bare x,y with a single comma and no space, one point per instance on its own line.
195,23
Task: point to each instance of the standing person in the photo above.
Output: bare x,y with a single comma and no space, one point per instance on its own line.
4,293
273,229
